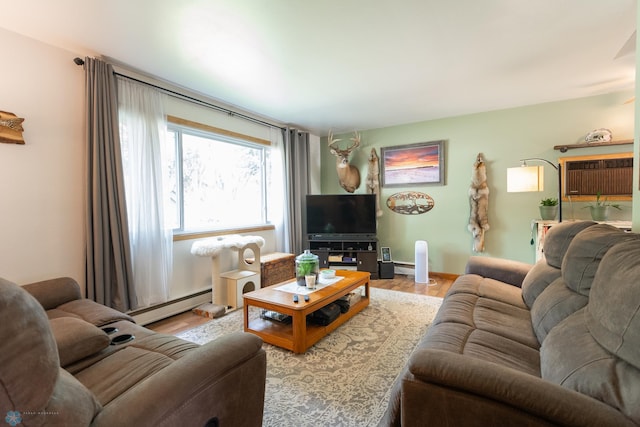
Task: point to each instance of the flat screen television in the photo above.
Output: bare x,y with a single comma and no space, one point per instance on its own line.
335,215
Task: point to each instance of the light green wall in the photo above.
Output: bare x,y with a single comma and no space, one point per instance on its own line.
503,137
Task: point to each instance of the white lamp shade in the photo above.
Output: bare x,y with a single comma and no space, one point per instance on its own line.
525,178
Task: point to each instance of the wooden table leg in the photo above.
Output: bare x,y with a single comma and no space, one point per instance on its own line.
246,315
299,324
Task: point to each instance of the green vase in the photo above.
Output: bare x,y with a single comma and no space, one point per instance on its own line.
599,213
548,212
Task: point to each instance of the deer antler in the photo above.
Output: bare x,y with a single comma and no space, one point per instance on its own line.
356,141
332,144
332,141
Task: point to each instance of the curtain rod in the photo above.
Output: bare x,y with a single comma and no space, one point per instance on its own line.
80,61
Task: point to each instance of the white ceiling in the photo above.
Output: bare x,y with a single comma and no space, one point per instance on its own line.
353,64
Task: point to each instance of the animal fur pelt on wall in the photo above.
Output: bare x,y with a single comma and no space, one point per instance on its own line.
373,179
479,203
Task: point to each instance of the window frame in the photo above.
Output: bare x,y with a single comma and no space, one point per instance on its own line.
181,126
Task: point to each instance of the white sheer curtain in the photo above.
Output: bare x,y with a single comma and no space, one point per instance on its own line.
142,127
279,193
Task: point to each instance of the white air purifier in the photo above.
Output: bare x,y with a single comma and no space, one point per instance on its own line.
422,262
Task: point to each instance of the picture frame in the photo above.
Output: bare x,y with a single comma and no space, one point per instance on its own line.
413,164
385,251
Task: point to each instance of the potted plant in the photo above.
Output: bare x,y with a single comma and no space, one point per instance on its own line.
600,209
548,208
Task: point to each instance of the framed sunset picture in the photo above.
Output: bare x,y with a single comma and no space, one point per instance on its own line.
413,164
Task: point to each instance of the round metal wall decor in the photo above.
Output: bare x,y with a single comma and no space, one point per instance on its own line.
410,203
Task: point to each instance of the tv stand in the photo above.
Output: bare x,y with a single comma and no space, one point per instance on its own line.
346,252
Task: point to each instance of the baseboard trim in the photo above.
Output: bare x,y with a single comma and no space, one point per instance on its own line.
161,311
409,269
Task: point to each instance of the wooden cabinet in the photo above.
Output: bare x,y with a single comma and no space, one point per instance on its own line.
344,253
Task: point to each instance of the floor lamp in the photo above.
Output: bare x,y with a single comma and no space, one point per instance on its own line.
531,178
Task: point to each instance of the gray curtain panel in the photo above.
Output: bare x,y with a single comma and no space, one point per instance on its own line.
109,275
296,145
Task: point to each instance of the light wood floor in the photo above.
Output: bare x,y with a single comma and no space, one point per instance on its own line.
438,287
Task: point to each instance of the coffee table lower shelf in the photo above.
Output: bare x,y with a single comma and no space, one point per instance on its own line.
299,335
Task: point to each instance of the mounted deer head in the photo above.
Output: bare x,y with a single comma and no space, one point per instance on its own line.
348,175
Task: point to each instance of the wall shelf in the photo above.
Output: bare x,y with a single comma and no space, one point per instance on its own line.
565,147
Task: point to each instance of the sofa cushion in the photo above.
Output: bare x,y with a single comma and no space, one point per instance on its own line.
122,327
482,345
537,280
29,354
509,321
559,238
554,305
167,345
71,404
124,369
545,271
77,339
585,252
571,357
54,292
613,313
54,313
487,288
130,363
92,312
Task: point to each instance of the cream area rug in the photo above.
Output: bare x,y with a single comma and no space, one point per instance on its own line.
345,378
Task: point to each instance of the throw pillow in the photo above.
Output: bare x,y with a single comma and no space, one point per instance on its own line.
77,339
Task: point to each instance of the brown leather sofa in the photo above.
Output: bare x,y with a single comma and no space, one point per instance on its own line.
60,365
557,343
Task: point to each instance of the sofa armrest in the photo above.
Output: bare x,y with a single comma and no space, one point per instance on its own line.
223,379
504,270
61,297
489,391
54,292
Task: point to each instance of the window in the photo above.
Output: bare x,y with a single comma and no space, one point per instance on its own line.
214,181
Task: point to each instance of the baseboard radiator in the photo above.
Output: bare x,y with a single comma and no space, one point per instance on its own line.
157,312
408,269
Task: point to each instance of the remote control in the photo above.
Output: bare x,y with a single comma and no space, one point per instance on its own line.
295,298
306,297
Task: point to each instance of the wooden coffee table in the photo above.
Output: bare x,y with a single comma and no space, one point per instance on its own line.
297,335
